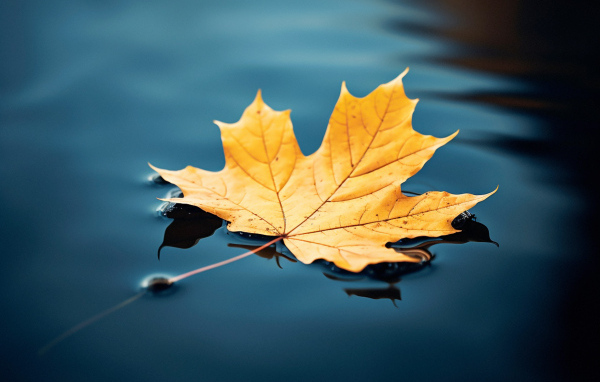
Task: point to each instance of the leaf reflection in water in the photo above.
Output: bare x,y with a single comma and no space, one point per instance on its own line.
191,224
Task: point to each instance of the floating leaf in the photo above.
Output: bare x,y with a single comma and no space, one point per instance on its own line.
344,202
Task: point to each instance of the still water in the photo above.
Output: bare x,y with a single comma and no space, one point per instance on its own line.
93,91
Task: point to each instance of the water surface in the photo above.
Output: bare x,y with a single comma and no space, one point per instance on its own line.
92,92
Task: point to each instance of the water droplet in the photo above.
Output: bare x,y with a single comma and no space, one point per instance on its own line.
158,284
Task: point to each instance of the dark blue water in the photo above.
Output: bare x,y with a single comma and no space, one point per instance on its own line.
93,91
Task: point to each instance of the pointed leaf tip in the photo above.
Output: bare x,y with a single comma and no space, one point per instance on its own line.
154,167
258,99
398,80
451,136
344,89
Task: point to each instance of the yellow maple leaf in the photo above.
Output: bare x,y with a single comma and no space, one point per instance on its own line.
344,202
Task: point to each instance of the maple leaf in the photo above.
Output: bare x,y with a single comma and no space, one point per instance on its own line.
342,203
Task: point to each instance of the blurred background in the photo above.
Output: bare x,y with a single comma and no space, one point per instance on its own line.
90,92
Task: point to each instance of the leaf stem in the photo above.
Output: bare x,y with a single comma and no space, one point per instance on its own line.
231,260
120,305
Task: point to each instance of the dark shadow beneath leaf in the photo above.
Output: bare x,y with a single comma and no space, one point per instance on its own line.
266,253
391,292
472,231
191,224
